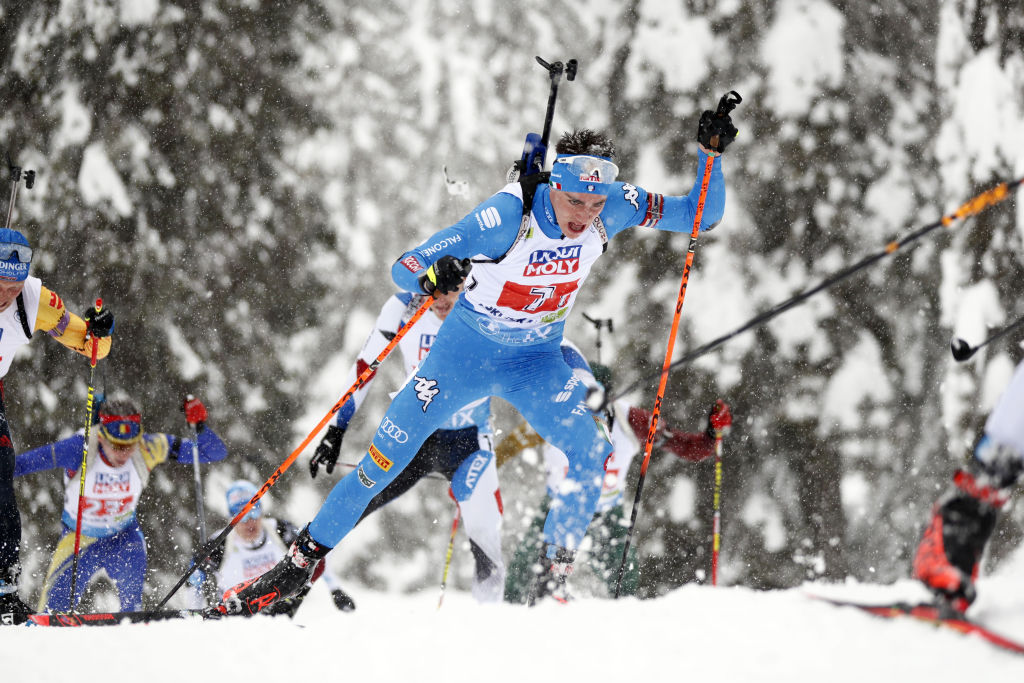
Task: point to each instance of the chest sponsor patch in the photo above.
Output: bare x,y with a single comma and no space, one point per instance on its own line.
537,299
116,482
558,261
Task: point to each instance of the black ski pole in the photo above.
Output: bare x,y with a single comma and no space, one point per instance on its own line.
599,323
30,179
977,204
200,508
962,350
535,150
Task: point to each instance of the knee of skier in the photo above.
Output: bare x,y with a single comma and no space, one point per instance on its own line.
470,475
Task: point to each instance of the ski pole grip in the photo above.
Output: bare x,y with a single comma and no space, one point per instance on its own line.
728,103
95,341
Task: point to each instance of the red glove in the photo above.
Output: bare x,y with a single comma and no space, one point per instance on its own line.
195,411
720,419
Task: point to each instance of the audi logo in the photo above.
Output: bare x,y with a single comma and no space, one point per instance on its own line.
389,428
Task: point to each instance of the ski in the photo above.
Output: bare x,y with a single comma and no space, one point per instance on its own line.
937,615
115,618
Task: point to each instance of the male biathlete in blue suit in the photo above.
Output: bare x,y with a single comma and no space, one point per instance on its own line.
503,339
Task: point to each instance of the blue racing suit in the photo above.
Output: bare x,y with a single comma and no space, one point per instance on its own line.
503,339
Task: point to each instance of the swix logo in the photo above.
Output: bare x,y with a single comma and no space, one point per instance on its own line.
380,459
475,469
426,390
566,392
412,263
630,194
390,429
558,261
363,479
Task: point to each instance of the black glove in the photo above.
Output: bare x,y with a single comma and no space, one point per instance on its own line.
446,275
718,124
342,600
328,450
99,323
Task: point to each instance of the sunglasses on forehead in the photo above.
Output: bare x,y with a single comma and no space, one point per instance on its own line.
20,252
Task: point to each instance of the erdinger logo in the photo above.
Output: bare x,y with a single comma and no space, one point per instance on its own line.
426,390
13,270
390,429
558,261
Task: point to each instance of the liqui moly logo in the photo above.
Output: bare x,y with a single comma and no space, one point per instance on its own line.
558,261
115,482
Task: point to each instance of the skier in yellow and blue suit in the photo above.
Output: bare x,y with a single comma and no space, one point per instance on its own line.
26,306
121,457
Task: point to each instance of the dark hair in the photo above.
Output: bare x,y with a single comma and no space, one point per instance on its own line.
586,141
119,406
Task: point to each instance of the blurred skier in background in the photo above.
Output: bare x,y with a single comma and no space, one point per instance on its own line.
628,426
964,517
255,545
121,457
26,305
531,247
461,450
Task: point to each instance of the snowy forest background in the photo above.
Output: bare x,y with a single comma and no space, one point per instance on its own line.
235,178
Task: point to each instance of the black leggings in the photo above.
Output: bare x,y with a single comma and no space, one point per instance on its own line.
442,452
10,520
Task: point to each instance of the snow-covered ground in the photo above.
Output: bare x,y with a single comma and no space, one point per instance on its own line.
697,633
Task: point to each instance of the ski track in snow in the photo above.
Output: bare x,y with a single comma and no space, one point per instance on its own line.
694,633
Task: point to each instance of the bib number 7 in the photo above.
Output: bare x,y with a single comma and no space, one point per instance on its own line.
537,298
